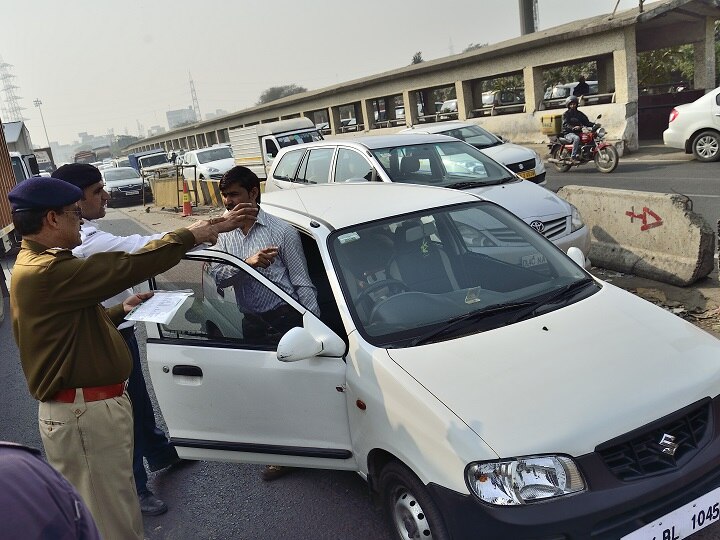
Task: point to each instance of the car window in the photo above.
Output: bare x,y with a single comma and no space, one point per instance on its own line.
351,166
288,164
474,135
227,304
214,154
271,149
315,168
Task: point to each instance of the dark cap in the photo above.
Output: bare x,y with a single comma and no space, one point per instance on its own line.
81,175
41,193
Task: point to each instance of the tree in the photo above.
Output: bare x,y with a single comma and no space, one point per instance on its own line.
277,92
474,46
417,58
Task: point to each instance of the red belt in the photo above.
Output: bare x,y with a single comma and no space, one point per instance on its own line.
91,393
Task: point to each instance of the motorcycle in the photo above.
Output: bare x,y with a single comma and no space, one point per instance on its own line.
592,148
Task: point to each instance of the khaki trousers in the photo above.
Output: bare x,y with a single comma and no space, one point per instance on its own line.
91,444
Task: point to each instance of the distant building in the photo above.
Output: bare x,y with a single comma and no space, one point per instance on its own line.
17,137
218,112
155,130
181,117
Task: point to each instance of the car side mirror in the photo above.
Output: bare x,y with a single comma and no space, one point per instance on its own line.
577,256
312,339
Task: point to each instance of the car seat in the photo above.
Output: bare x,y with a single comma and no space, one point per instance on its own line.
419,262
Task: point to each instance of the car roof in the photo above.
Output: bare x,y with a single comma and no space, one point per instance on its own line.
373,142
342,205
437,127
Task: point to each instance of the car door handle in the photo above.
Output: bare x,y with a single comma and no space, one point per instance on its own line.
188,371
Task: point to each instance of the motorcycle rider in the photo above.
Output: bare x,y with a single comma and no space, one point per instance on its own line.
572,123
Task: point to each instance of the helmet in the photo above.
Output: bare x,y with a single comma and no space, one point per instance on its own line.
571,99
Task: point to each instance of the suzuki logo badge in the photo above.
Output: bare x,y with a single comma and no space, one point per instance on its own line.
539,226
520,166
668,444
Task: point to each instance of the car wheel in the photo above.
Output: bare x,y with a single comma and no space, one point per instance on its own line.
706,146
607,159
407,505
561,154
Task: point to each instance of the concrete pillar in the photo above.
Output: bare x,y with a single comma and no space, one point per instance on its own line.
410,104
625,67
534,90
335,120
465,104
368,114
704,52
606,75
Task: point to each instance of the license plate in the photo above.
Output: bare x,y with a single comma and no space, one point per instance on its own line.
684,521
527,174
131,192
533,260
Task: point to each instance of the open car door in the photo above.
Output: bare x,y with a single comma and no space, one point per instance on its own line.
221,388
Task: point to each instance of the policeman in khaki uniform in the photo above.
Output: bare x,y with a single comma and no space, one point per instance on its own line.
75,360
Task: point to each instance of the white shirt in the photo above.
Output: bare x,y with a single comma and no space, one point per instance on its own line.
96,241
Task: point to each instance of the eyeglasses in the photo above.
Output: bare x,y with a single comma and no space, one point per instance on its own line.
76,211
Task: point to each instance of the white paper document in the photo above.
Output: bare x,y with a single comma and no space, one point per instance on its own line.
160,308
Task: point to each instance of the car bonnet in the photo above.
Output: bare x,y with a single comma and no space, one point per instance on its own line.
526,200
509,153
571,379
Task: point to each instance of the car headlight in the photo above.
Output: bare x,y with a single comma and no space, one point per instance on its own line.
524,480
538,159
576,221
213,170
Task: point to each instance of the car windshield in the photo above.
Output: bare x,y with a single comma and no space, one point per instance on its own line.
216,154
149,161
298,138
445,164
112,175
451,271
474,135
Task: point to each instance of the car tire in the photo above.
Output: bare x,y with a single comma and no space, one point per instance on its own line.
706,146
407,505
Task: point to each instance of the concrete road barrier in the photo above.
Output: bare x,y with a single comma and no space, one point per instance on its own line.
652,235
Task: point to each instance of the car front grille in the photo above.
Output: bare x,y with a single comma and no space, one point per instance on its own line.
216,176
555,228
643,453
522,165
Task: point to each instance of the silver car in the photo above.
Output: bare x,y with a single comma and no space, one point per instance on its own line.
433,160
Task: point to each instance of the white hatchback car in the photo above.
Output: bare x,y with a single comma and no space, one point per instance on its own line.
524,162
434,160
478,398
695,127
209,163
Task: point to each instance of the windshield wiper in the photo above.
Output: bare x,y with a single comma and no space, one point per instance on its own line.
462,320
466,185
562,293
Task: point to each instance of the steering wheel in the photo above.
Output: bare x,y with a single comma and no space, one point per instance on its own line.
392,284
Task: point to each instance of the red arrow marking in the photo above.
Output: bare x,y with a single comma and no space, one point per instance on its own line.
644,218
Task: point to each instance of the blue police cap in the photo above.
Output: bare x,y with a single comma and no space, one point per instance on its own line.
81,175
41,193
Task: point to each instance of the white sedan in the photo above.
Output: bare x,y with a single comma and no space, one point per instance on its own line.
695,127
524,162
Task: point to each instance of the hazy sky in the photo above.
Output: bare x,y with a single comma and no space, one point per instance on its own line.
101,64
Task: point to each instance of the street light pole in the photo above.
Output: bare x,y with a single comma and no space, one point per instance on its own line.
37,103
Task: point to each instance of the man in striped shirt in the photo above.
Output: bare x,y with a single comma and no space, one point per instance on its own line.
273,247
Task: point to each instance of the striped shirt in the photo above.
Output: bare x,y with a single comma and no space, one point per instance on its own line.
288,271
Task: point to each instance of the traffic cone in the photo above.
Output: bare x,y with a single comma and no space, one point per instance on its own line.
187,207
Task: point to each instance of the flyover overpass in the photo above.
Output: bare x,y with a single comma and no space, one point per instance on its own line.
611,41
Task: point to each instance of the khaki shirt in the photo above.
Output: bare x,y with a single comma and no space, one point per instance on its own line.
66,338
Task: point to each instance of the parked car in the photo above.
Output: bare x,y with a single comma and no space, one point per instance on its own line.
524,162
126,186
695,127
478,398
209,163
561,91
435,160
